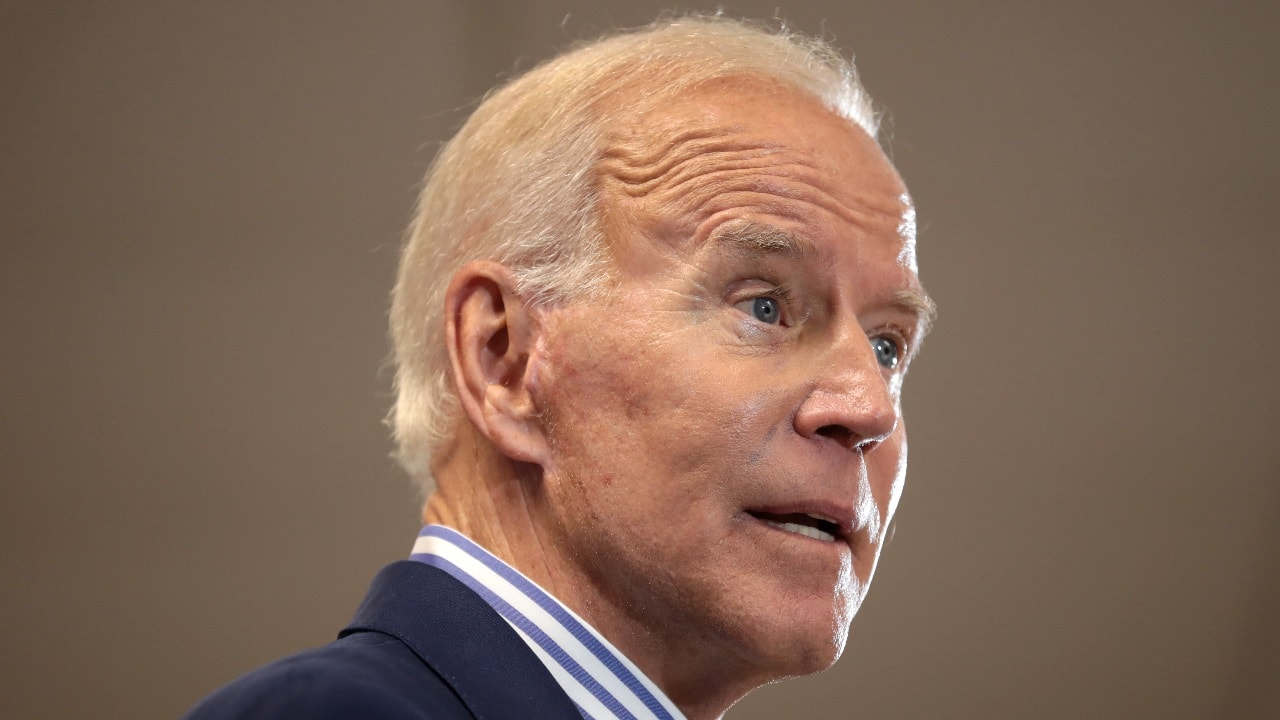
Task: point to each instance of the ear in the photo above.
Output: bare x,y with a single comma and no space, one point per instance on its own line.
490,332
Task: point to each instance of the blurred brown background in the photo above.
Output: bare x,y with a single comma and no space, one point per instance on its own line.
202,204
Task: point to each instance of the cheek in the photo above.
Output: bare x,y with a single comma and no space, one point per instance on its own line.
640,397
596,393
895,475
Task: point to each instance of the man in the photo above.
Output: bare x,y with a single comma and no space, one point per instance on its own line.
651,327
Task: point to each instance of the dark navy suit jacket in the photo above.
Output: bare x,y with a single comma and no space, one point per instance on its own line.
422,645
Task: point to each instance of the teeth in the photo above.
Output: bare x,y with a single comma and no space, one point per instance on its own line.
805,530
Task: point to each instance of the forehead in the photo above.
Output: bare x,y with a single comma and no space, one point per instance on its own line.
745,150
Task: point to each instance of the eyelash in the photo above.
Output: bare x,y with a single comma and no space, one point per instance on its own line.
776,289
781,293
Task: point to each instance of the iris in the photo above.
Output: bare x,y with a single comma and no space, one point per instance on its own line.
886,351
766,310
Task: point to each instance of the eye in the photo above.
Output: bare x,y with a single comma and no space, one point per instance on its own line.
766,309
886,351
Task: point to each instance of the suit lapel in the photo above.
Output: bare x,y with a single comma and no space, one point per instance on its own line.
465,641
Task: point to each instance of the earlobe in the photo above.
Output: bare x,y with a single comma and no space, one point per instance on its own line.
490,332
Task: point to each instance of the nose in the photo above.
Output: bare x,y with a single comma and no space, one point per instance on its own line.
851,403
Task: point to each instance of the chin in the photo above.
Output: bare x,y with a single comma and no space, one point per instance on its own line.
805,649
802,661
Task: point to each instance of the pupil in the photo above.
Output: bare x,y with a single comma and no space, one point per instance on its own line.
765,309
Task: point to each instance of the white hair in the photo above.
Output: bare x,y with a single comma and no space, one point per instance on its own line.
517,184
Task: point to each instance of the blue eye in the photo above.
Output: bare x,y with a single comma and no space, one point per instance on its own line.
766,310
886,351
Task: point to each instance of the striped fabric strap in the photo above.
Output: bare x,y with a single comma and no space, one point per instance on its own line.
594,674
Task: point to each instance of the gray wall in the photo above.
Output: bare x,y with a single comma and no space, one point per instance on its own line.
202,206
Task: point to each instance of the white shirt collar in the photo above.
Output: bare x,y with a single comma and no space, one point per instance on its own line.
594,674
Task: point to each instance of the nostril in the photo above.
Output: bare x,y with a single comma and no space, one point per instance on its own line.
839,433
847,438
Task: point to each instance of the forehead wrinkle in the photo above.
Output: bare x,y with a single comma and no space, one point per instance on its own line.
684,185
702,186
639,170
785,195
712,181
870,208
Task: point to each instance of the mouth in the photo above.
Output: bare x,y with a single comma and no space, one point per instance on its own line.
806,524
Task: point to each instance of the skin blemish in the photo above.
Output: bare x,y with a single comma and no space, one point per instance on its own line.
758,452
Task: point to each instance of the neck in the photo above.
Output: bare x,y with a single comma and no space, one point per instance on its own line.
485,496
499,504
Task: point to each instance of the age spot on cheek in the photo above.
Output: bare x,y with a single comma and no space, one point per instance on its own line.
758,452
755,449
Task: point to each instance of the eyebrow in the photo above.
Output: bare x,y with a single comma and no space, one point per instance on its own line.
753,239
918,303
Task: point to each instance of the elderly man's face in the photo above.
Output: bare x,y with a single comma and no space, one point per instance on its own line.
725,428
